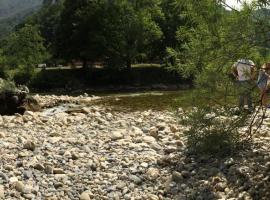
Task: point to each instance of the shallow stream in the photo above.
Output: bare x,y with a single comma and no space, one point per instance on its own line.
135,101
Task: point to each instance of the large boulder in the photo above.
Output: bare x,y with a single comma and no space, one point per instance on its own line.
15,99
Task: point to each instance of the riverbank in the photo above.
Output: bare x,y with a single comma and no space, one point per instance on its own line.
80,150
104,79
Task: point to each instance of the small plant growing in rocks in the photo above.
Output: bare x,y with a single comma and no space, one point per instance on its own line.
213,131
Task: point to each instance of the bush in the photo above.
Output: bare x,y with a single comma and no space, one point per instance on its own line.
213,131
6,86
23,77
46,80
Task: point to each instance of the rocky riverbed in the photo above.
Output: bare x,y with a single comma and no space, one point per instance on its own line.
83,151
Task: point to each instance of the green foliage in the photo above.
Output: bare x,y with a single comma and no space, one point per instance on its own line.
2,65
139,76
130,30
6,85
47,20
213,131
213,39
117,32
79,33
217,38
23,75
23,50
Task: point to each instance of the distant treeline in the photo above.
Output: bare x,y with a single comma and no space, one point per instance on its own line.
117,33
191,37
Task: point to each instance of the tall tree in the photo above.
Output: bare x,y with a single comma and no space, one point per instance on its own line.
117,32
174,16
217,38
47,20
25,48
130,30
79,36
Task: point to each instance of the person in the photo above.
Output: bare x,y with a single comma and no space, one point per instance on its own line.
244,70
262,82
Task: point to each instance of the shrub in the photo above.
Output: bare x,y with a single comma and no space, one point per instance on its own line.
23,76
6,86
213,131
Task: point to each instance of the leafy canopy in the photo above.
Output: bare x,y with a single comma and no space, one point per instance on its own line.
25,47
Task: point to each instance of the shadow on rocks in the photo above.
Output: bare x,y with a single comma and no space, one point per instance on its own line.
243,175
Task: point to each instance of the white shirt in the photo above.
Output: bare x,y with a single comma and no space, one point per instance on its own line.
244,67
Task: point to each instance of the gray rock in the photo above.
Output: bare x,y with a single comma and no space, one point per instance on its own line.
19,186
120,185
2,192
177,176
116,135
27,174
85,196
13,180
39,166
29,145
135,179
29,196
149,139
2,135
4,177
58,171
155,146
152,173
48,169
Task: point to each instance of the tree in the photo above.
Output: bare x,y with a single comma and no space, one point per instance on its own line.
130,30
217,38
47,20
117,32
174,16
79,34
2,65
213,39
24,49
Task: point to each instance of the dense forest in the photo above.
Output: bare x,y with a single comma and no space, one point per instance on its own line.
118,34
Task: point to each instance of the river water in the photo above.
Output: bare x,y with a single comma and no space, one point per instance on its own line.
156,100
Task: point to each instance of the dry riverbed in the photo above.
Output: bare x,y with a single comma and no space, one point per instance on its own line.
93,152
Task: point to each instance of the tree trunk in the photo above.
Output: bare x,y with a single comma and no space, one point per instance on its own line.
84,64
128,62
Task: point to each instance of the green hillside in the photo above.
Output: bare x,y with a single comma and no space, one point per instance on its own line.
13,12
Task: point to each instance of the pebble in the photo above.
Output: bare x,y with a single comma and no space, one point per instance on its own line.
177,176
135,179
152,173
29,145
13,180
85,196
74,151
116,135
2,135
2,192
58,171
19,186
149,139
